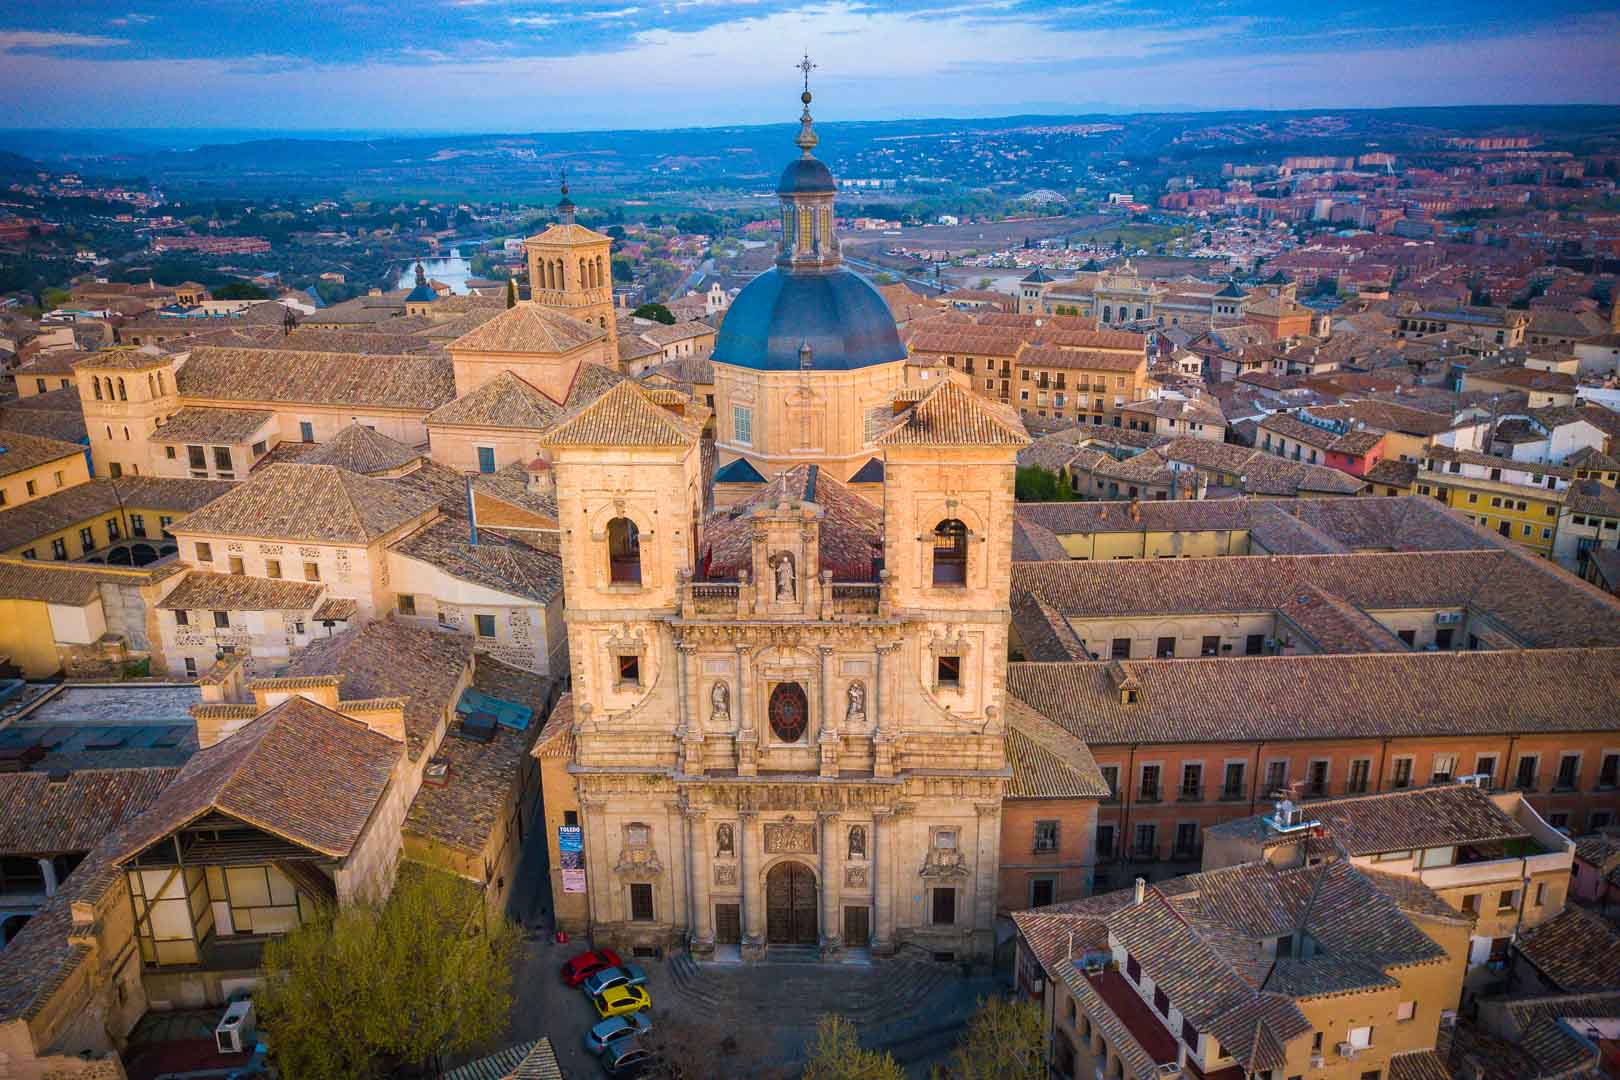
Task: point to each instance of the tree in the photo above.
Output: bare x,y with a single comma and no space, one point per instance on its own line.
985,283
358,992
1003,1041
54,298
835,1054
1035,484
511,293
656,312
239,290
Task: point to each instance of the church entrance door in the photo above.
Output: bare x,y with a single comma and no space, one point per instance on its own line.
790,905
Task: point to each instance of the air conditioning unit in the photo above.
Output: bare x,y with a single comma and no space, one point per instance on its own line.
1318,1061
1348,1049
236,1028
1479,780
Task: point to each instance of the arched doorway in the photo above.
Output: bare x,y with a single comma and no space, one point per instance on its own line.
790,905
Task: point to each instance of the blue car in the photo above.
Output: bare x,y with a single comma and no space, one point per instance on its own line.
617,1031
625,975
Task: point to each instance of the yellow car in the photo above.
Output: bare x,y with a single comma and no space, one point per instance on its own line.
620,1000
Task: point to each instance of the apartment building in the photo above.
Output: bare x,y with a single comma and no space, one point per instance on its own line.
1337,443
33,466
1520,501
1252,970
1481,327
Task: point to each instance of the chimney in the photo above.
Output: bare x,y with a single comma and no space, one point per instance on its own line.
1141,890
541,479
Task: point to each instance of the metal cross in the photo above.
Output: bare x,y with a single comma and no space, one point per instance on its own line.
807,67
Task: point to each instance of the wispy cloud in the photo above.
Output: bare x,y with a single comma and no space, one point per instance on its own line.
134,18
42,40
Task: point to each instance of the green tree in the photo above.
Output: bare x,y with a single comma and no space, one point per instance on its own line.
360,991
511,293
52,298
1003,1042
1035,484
624,271
835,1054
238,290
656,312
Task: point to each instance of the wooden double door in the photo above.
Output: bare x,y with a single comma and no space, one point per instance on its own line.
790,905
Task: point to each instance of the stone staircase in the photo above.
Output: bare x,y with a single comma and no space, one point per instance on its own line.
800,988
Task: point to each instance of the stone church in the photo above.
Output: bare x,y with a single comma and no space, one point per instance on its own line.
786,723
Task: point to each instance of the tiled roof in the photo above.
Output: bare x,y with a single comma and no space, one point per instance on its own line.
200,424
1034,542
1080,359
1442,815
336,609
52,415
1412,896
1392,472
1418,1065
416,382
506,401
1059,334
1600,850
1047,762
121,359
392,658
203,591
361,449
309,502
74,584
851,530
952,416
504,500
300,772
1044,634
939,336
525,1061
556,739
495,562
1536,603
1047,929
67,507
529,328
1550,1041
623,416
1239,699
19,451
478,790
1576,951
41,817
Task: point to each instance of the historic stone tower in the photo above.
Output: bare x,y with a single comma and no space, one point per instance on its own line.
126,394
571,270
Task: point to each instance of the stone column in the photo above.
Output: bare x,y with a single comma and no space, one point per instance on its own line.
985,880
832,885
750,849
600,896
701,938
883,826
693,715
830,739
747,736
679,883
883,741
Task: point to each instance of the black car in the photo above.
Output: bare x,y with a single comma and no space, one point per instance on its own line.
639,1062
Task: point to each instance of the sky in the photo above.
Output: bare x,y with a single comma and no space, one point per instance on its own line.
520,65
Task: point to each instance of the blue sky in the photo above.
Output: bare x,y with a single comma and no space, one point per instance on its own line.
518,65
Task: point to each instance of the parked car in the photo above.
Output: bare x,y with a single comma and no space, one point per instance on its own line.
617,1032
623,975
586,964
619,1000
638,1061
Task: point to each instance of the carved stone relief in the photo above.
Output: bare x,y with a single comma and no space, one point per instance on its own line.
788,837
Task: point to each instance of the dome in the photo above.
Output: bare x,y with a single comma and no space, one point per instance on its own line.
837,313
806,176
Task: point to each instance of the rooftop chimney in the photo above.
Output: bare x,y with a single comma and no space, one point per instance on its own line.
1141,890
541,479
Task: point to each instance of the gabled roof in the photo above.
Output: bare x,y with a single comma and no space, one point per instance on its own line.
417,381
361,449
19,452
41,816
869,473
623,416
741,471
1577,951
1047,762
322,503
506,401
952,416
529,328
851,528
200,590
300,772
495,562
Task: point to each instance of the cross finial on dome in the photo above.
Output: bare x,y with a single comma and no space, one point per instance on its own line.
806,140
421,274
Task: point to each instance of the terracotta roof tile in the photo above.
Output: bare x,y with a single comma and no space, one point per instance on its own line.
851,527
506,401
203,591
1047,762
416,382
41,817
361,449
19,451
952,416
623,416
309,502
495,562
1576,951
529,328
200,425
62,509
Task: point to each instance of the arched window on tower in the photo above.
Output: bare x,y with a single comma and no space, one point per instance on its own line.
161,388
950,553
95,384
601,271
122,396
624,552
1108,314
582,273
151,385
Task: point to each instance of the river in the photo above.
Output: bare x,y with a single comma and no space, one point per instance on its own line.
451,269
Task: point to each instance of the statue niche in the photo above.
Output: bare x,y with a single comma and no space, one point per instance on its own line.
855,712
720,703
787,582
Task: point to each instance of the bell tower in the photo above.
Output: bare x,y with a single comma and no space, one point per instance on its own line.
571,270
807,191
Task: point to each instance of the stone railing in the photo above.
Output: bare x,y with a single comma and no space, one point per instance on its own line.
856,598
712,598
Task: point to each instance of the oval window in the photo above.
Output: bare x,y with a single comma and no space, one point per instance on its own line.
790,712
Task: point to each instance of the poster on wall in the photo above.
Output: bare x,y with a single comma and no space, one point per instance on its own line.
573,881
570,838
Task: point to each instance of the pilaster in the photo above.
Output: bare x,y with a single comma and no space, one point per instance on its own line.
701,872
832,881
883,827
750,849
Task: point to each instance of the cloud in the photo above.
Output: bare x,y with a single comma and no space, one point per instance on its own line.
532,22
132,19
14,41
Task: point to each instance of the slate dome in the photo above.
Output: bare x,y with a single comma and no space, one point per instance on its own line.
836,312
806,176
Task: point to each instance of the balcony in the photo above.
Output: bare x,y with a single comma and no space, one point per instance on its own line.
714,598
1233,794
1190,794
828,601
856,598
1149,793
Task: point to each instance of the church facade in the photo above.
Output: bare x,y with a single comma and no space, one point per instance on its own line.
786,724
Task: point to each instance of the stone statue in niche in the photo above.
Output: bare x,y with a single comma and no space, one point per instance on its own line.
720,703
856,710
723,842
787,586
857,842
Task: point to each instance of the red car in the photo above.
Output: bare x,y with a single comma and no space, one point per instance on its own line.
587,964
